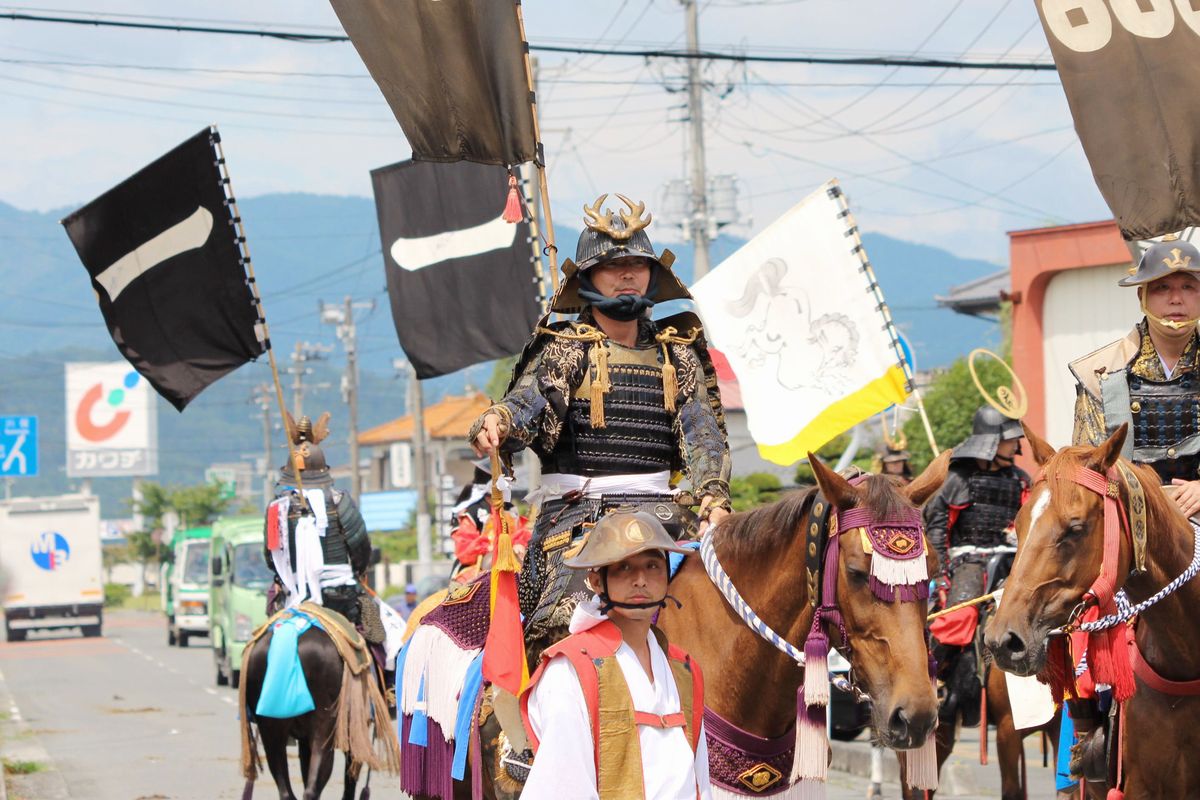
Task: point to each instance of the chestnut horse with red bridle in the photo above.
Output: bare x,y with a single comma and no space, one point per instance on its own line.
1096,524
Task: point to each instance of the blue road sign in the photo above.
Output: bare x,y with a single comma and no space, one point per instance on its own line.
18,447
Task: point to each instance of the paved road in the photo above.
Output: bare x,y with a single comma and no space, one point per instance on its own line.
126,717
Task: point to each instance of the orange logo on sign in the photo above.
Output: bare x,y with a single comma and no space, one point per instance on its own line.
83,418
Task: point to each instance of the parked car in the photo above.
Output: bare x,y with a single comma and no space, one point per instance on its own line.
240,577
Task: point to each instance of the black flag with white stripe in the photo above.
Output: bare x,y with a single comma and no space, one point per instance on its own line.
167,265
460,279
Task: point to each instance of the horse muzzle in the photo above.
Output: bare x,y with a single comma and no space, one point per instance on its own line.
1021,652
907,726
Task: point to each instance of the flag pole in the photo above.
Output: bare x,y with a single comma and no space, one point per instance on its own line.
540,159
889,325
265,334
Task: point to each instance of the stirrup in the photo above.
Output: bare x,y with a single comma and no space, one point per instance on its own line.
1089,757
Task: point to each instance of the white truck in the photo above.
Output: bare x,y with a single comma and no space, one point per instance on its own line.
50,560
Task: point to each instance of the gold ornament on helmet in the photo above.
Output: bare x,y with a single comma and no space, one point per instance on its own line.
1012,402
602,221
897,442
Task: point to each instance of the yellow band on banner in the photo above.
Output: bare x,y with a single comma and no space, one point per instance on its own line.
839,417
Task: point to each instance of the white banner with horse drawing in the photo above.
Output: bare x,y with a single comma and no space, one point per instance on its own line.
801,319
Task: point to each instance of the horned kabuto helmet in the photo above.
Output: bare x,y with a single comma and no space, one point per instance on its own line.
606,238
988,429
306,440
1164,258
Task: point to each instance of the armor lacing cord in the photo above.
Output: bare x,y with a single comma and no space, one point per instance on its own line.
597,365
669,336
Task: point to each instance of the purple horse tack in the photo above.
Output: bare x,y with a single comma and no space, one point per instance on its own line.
898,554
742,762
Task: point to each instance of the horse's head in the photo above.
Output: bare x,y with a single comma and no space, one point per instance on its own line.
887,639
1060,549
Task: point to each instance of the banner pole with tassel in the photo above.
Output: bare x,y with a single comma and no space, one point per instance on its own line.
244,247
540,162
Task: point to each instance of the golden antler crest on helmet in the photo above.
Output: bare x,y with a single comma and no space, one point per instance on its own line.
634,221
321,428
598,220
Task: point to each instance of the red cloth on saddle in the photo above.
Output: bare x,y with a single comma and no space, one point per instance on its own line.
472,544
273,525
957,628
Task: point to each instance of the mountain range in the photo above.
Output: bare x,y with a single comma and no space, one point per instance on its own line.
309,249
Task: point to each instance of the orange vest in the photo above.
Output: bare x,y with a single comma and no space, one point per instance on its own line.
617,748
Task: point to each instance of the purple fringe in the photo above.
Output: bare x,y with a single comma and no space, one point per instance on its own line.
426,770
909,593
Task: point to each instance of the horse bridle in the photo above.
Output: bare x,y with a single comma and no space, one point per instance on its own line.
821,554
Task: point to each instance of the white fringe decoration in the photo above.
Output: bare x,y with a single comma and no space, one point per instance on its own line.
899,572
811,789
816,670
443,664
921,765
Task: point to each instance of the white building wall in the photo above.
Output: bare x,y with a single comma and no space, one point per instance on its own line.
1083,311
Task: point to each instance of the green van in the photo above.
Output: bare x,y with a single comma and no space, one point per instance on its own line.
240,578
185,585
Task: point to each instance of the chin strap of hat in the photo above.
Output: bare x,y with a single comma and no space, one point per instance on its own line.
1170,324
608,604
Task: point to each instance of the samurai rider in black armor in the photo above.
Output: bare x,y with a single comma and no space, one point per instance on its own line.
345,547
614,404
1148,379
969,518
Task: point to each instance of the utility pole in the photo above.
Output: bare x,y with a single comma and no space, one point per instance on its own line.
416,408
304,352
343,317
262,398
699,219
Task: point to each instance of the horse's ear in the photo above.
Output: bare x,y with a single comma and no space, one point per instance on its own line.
1109,450
1042,451
928,482
837,490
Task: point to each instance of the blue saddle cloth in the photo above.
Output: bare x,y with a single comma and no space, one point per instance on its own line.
675,560
285,691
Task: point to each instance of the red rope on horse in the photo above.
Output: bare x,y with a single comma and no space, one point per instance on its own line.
1108,656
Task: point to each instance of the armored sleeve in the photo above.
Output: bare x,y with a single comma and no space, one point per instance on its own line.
535,405
700,435
1089,428
358,542
939,512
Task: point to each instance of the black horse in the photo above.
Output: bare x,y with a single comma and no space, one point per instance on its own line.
341,720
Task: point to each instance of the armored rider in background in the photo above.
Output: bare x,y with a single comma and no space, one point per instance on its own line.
1149,378
324,564
613,403
966,521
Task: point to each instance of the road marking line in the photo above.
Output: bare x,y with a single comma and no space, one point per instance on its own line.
210,690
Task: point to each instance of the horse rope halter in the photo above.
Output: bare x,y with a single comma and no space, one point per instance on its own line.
898,570
1134,525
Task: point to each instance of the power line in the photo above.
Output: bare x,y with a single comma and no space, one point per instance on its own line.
701,55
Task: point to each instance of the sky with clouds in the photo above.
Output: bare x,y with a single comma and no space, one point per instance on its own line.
952,158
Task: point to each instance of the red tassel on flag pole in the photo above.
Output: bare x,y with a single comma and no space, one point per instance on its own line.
504,663
513,211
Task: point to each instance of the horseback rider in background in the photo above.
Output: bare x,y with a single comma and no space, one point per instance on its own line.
318,546
966,521
614,404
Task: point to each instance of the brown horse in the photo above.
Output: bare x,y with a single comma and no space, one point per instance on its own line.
1061,535
749,682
